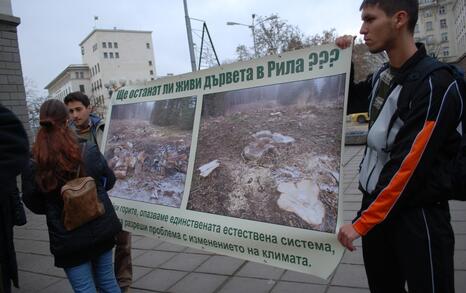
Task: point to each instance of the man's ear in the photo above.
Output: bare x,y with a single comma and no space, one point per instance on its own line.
401,19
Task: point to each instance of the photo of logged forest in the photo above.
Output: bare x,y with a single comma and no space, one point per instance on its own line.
148,149
272,154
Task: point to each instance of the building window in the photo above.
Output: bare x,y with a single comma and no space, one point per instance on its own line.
94,48
104,45
429,39
105,55
81,75
441,10
150,63
98,67
77,74
115,45
110,45
151,78
111,55
428,13
81,88
82,50
446,51
117,55
444,37
429,26
443,23
151,72
147,45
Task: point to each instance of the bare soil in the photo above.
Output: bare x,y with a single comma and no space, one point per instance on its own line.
248,189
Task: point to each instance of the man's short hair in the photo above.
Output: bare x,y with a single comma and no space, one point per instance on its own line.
77,97
390,7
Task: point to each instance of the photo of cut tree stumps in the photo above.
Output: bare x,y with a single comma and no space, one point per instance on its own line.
272,154
148,147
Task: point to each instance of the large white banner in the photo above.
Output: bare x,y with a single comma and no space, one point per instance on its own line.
242,160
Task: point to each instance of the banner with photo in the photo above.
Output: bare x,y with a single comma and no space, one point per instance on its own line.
242,159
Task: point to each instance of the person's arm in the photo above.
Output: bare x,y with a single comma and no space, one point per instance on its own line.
433,118
18,214
109,175
33,197
359,93
97,167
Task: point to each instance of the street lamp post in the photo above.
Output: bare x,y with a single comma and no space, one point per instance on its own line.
254,35
252,27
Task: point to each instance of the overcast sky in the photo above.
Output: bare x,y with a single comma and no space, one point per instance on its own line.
51,30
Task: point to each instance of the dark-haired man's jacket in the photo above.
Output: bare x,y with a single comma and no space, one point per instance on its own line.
411,143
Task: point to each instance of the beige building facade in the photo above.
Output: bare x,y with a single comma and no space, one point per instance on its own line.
111,58
441,26
459,11
73,78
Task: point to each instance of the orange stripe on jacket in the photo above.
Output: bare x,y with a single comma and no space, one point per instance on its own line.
384,202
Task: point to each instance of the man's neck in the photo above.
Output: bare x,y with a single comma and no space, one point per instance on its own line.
403,49
84,125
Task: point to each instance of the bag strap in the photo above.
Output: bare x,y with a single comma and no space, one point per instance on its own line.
83,149
414,78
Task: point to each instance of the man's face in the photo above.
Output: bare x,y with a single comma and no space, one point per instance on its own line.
79,113
378,29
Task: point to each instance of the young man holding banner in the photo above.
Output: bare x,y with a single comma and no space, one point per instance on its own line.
404,219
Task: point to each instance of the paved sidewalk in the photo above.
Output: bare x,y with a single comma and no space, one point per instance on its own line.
163,267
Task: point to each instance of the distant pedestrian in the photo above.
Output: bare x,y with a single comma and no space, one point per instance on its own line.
91,128
85,253
14,154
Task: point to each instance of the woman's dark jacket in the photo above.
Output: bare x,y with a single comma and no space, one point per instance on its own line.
14,150
71,248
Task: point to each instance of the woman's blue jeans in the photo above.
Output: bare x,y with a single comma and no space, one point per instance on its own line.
99,270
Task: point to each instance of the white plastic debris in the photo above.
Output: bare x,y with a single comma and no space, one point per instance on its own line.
206,169
280,138
262,133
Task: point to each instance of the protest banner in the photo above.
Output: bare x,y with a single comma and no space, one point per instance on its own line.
242,159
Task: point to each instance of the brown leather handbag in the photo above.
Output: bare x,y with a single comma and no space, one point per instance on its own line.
81,203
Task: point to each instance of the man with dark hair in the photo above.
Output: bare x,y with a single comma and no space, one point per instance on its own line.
87,125
412,140
91,128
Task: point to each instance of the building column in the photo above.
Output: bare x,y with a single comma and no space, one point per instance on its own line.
12,92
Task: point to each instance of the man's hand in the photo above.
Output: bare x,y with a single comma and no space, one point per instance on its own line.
345,41
347,235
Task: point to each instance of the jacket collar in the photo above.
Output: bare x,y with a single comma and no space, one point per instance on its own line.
407,67
94,122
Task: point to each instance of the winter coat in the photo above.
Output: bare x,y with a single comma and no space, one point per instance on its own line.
71,248
14,150
410,144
